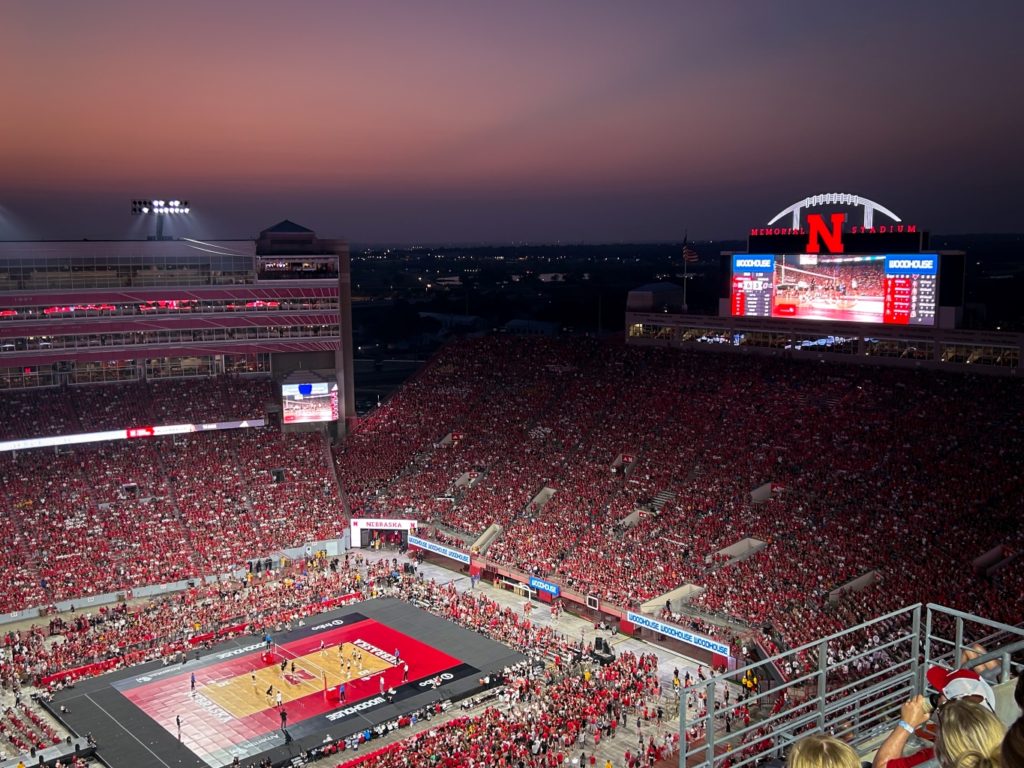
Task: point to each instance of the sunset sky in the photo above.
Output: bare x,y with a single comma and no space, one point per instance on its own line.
444,121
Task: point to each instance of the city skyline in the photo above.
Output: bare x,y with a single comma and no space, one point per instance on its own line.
461,122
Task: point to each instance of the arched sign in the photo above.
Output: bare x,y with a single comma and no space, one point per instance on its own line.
836,198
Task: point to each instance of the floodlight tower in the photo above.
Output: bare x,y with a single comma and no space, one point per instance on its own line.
161,209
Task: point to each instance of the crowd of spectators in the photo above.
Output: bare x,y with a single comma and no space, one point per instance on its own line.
558,710
74,410
554,715
260,491
873,471
26,730
95,518
649,455
165,627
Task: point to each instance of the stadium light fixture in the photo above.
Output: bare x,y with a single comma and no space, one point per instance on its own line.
161,209
143,207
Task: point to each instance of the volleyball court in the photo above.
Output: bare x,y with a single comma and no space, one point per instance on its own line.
284,676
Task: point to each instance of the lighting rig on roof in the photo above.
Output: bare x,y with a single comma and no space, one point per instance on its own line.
161,209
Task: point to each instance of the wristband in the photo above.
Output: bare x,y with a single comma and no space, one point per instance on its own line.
906,726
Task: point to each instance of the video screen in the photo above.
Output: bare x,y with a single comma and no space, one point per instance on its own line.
302,403
892,289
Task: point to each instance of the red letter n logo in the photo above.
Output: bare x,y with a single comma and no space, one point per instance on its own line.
833,238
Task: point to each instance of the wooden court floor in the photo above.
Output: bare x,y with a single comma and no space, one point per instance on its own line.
255,691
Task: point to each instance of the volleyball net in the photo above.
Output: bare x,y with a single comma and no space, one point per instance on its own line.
300,670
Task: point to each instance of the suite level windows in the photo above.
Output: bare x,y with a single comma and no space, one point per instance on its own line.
169,307
14,345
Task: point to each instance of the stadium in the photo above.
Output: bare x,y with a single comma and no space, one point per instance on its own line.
694,545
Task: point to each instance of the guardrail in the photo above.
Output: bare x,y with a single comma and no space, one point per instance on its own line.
850,684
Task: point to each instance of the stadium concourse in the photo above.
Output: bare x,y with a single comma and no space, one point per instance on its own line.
909,476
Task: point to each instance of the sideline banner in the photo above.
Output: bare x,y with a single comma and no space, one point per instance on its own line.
439,549
545,586
129,433
677,633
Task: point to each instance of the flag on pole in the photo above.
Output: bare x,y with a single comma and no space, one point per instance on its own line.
689,257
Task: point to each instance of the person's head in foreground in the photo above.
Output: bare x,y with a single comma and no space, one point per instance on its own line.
821,751
968,735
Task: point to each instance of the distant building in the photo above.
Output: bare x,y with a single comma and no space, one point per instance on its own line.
452,322
76,312
655,297
531,328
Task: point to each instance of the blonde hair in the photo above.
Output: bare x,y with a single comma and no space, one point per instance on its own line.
969,736
821,751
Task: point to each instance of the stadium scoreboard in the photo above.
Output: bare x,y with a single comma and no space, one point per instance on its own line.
890,289
815,266
309,402
911,290
751,294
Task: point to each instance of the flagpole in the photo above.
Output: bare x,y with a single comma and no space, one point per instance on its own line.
685,281
686,239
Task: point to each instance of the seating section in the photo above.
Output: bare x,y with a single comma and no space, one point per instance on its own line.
883,470
24,730
235,509
561,705
562,716
651,454
96,518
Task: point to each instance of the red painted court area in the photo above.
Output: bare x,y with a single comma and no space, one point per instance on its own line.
208,728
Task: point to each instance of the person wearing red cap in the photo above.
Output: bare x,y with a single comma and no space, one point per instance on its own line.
962,684
959,684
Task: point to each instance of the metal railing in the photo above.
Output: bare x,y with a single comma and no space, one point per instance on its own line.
850,684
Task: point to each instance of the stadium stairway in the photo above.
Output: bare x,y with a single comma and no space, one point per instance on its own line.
488,537
172,493
325,444
662,498
542,497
